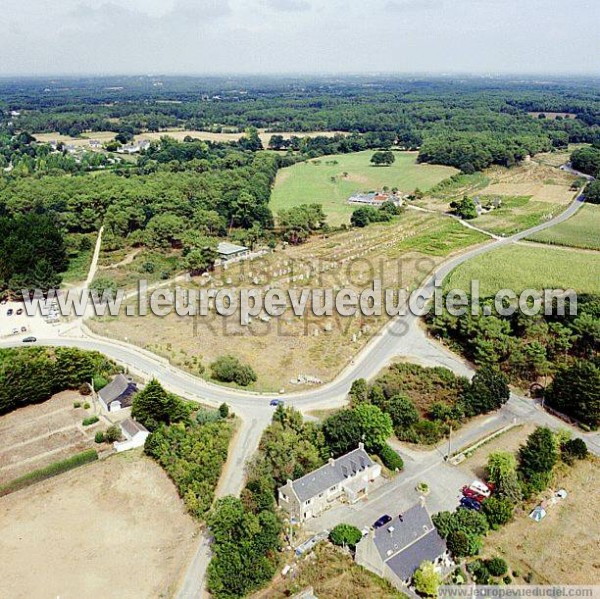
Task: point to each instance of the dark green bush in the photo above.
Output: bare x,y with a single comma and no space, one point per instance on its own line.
496,566
90,420
228,369
390,458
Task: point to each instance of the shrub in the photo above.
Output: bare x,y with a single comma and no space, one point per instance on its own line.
84,389
345,535
112,434
99,382
99,437
497,511
89,421
390,458
427,580
224,410
507,579
574,449
228,369
496,566
76,404
86,405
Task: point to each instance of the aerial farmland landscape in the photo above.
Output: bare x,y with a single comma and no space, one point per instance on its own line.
299,299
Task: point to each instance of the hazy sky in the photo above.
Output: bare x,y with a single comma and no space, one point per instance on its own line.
299,36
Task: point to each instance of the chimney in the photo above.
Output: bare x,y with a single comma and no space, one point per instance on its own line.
361,445
422,500
331,462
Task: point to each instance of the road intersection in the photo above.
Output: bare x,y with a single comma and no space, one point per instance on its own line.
403,337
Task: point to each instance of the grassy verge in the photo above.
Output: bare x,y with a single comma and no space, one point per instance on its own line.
85,457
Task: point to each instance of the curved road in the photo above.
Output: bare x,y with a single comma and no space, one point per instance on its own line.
403,336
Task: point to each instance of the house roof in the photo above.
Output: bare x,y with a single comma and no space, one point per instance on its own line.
415,523
227,249
117,387
427,548
408,540
332,473
132,427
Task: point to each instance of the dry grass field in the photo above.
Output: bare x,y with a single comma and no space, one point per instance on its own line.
38,435
178,134
511,440
564,548
114,529
332,575
400,254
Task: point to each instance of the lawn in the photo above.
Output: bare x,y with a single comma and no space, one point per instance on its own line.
521,267
582,230
331,180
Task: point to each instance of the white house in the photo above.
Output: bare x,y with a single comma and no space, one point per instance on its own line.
135,435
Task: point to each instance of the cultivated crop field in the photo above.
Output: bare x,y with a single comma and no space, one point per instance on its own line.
400,254
524,266
331,180
40,434
563,547
531,193
115,529
582,230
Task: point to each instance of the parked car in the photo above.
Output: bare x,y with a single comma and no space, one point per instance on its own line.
276,402
468,492
480,488
9,312
23,329
470,504
19,311
382,521
29,340
15,331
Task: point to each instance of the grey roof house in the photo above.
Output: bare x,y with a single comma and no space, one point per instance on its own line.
346,478
118,394
135,435
396,550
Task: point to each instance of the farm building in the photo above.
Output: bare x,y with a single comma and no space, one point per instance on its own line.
374,198
396,550
230,251
135,435
118,394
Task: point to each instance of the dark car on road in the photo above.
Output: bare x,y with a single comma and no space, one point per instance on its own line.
470,504
29,340
276,402
382,521
9,312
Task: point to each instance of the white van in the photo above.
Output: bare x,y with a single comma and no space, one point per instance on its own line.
480,488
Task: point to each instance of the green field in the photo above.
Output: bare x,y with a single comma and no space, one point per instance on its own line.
521,267
331,180
582,230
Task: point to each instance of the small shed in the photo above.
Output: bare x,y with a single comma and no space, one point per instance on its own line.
135,435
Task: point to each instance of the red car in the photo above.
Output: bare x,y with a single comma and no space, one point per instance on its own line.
472,494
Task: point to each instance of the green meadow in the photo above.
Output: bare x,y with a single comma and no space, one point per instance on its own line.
331,180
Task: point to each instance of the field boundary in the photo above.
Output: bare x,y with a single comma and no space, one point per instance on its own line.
54,469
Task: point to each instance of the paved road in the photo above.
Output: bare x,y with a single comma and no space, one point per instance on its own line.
403,336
